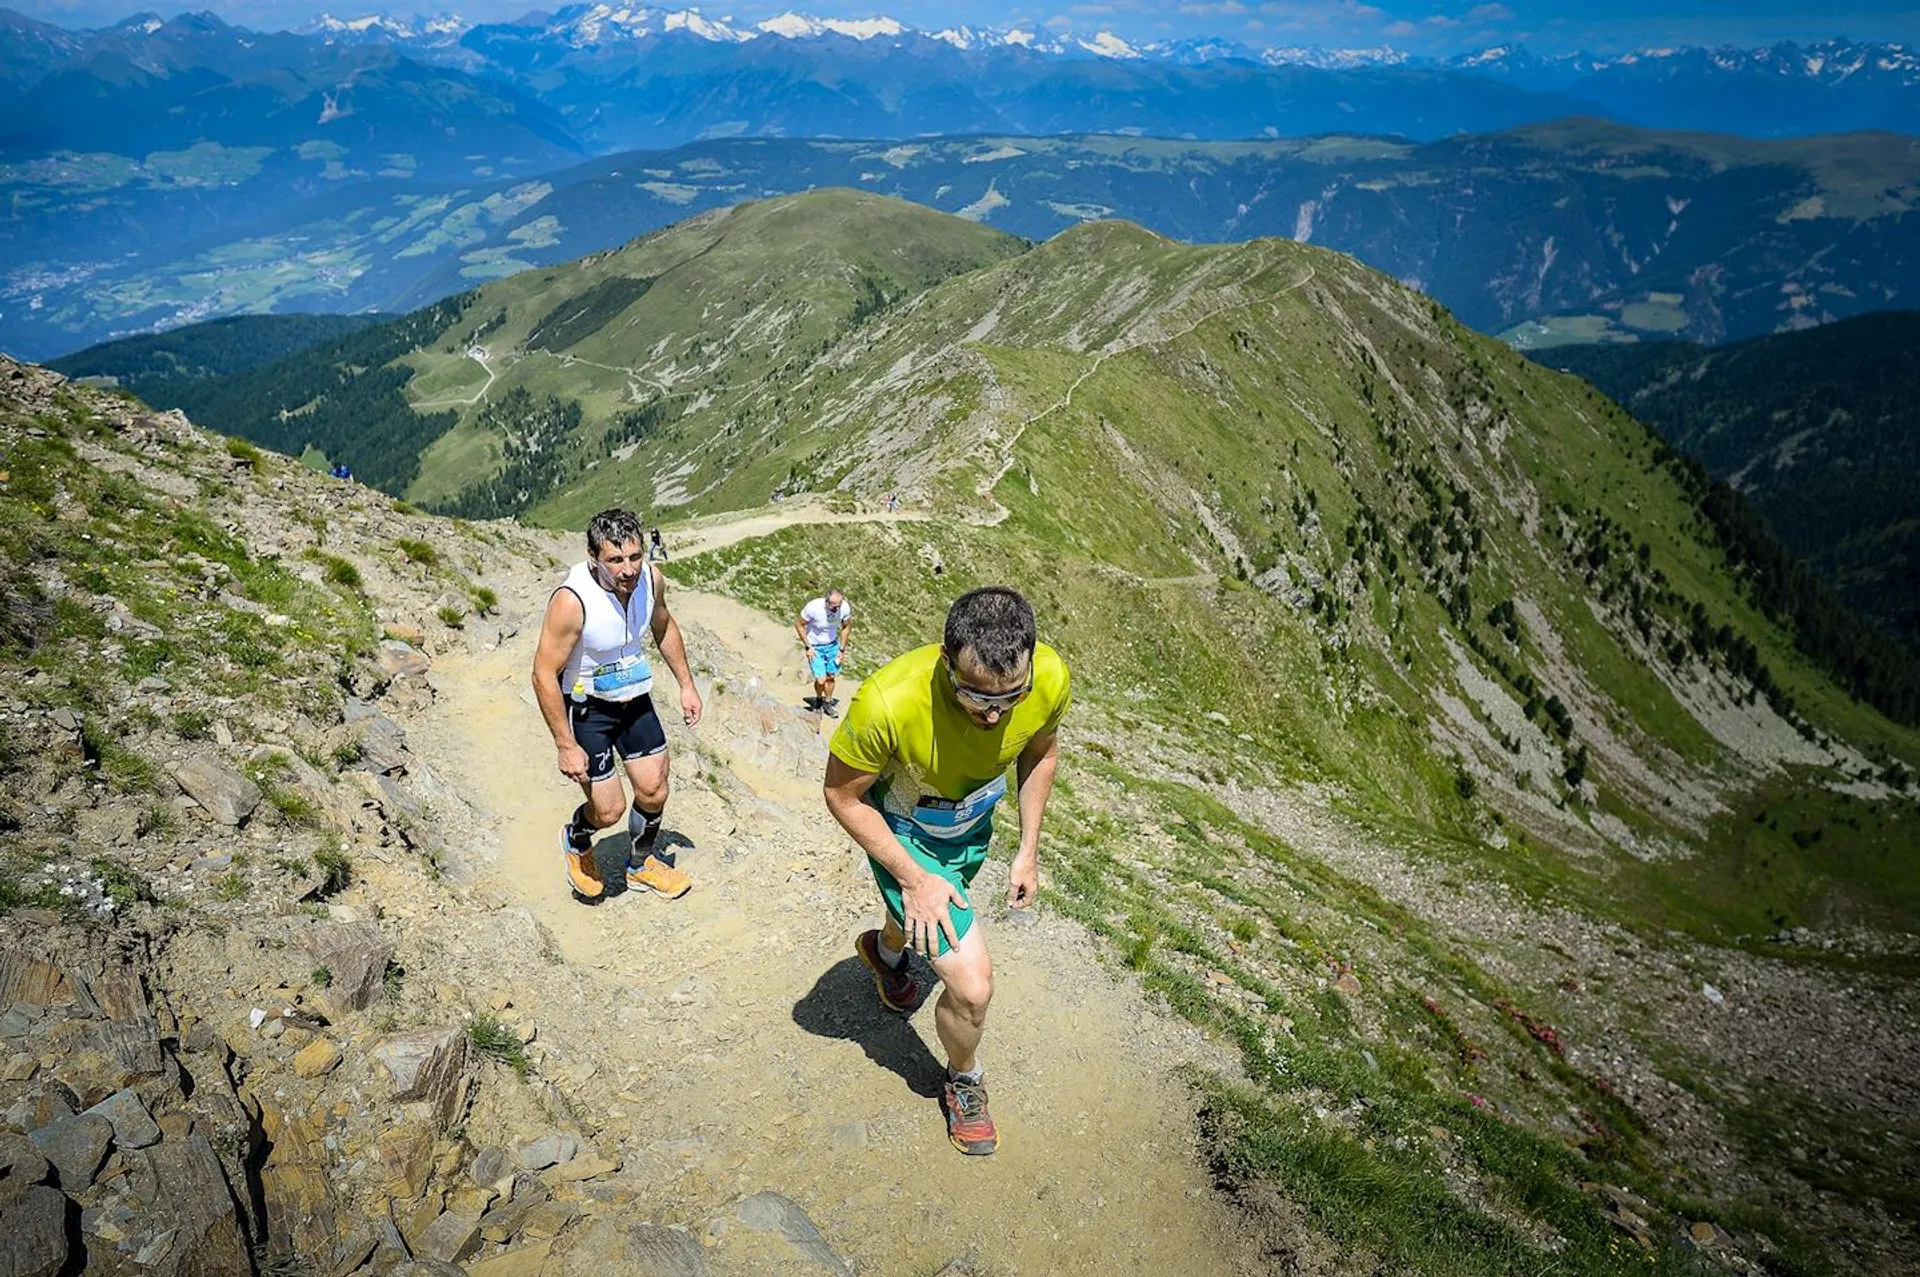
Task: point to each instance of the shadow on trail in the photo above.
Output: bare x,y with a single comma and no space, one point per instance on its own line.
842,1004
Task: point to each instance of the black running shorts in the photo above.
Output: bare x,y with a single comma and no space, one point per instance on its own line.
604,728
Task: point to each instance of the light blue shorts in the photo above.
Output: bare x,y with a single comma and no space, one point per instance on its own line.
826,660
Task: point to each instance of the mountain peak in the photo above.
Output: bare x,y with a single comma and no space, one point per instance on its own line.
800,26
1108,45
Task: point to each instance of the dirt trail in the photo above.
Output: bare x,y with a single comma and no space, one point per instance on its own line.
731,1043
700,536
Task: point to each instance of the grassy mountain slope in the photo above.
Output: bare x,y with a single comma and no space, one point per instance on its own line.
667,336
1313,547
1610,229
1818,429
1406,497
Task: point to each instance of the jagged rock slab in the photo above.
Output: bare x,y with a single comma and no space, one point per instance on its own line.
548,1150
429,1065
383,745
21,1165
24,978
522,1261
133,1126
452,1238
76,1147
634,1248
98,1057
301,1211
34,1241
355,955
42,1103
306,781
769,1212
119,993
399,660
225,794
181,1189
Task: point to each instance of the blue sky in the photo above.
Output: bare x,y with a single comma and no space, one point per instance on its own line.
1424,26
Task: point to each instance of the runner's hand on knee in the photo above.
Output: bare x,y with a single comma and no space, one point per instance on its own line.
926,903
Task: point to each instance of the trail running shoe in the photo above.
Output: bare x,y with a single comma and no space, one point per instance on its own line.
898,992
969,1125
657,875
830,708
583,872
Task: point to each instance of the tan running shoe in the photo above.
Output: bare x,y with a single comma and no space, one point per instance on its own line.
583,871
657,875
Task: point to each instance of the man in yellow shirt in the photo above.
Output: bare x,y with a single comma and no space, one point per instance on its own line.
914,774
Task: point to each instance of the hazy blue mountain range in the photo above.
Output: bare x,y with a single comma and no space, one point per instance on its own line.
1784,89
1551,232
1820,430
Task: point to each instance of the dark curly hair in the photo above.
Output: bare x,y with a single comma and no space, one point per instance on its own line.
995,624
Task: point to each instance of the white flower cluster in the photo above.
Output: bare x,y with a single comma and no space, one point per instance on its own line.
80,884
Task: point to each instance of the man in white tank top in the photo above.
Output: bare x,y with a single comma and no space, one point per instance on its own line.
594,683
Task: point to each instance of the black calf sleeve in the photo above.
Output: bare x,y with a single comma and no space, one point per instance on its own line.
644,826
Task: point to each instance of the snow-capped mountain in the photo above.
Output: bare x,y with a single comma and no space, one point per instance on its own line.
800,26
1333,59
624,75
1199,52
445,27
1824,62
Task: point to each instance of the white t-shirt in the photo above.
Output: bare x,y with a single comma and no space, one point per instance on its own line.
823,623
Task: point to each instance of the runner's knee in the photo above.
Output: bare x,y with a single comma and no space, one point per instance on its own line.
651,792
971,989
606,809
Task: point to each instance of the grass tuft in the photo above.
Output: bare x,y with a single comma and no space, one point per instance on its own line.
417,551
498,1041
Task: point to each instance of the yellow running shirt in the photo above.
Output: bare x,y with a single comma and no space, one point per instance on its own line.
940,772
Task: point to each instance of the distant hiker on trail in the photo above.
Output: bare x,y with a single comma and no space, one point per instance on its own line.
913,776
656,548
823,626
593,681
893,503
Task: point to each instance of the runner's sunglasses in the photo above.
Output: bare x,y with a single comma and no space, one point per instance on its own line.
987,702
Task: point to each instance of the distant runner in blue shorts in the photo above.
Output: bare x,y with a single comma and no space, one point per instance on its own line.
823,626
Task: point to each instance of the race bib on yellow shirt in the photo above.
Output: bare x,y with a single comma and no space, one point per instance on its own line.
949,818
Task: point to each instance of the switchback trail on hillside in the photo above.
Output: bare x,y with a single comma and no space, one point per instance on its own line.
730,1043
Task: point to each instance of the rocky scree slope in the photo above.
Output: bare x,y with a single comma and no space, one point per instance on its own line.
279,987
225,1050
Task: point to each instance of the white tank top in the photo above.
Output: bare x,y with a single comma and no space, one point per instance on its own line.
610,663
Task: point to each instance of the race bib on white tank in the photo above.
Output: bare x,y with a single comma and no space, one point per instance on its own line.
626,679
